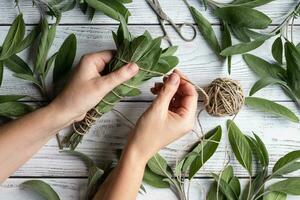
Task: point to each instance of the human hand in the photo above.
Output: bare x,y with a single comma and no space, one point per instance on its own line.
171,115
87,87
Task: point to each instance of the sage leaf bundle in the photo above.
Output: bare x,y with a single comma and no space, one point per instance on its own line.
152,60
42,189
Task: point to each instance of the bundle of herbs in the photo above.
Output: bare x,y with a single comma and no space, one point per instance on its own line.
240,19
152,60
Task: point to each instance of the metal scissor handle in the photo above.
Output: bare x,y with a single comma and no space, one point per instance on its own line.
178,29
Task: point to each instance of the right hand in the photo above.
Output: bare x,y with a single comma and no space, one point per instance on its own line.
171,115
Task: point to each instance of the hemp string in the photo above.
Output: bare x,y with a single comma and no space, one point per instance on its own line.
222,97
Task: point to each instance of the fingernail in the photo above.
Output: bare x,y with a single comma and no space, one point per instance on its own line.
173,79
132,68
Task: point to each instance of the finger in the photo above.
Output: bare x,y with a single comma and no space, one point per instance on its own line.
157,87
167,92
113,79
97,59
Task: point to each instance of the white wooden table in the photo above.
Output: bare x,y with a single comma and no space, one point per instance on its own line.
68,175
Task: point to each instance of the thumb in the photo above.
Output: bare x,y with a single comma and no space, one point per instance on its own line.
167,92
113,79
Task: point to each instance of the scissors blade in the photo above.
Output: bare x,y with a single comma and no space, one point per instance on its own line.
155,5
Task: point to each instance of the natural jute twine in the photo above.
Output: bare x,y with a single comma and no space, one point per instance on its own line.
226,97
223,97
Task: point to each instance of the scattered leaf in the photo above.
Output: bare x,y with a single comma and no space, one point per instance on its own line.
271,107
277,50
289,186
42,188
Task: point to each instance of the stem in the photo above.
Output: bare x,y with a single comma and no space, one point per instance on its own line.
263,194
250,186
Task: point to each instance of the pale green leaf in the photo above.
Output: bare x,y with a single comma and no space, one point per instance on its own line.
275,196
264,82
285,163
158,165
206,29
41,188
17,65
243,17
271,107
277,50
154,179
13,38
240,146
289,186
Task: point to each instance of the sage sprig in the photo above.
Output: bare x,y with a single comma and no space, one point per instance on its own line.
160,175
240,17
143,50
286,74
227,186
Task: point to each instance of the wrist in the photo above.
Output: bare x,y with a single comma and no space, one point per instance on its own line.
132,152
58,116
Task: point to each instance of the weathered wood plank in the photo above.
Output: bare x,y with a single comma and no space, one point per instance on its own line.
197,60
110,133
74,189
141,12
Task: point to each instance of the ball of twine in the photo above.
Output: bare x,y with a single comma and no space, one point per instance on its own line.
225,97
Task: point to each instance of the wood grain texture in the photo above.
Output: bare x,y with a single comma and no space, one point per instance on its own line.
74,189
110,133
141,12
197,60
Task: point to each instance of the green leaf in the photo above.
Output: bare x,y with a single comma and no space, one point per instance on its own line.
29,39
206,29
235,186
277,50
49,63
225,188
275,196
1,72
293,67
259,148
243,47
154,180
240,146
289,186
251,3
263,68
285,163
14,109
158,165
42,188
65,58
205,150
298,47
226,175
110,8
13,38
226,42
271,107
9,98
17,65
170,51
264,82
28,77
240,33
243,17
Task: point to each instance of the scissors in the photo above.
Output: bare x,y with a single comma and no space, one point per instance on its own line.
163,17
